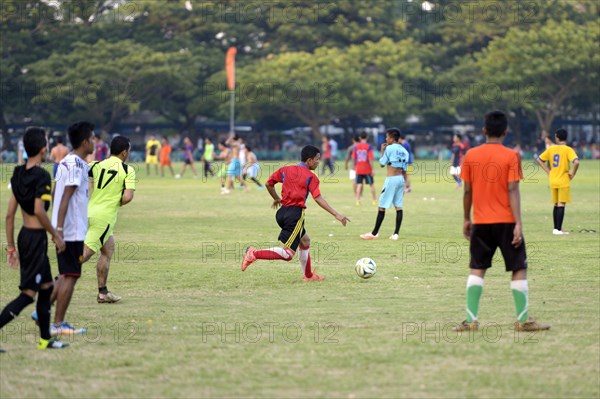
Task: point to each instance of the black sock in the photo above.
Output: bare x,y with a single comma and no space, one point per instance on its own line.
398,221
12,310
380,216
256,181
103,290
43,311
555,217
560,215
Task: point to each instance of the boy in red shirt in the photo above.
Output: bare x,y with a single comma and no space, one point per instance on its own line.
297,181
363,157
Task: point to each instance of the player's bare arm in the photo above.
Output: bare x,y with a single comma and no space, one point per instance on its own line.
325,205
514,197
42,218
62,208
467,203
575,167
543,165
276,199
11,251
127,197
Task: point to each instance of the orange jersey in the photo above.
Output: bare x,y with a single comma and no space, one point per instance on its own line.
489,168
165,152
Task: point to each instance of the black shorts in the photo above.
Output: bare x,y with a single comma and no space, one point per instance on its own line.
368,179
69,261
291,221
33,257
485,238
187,161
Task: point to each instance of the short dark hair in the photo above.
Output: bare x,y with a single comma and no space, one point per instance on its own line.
223,143
248,148
356,138
308,152
402,135
393,132
458,135
79,132
119,144
561,134
363,135
34,140
496,123
59,139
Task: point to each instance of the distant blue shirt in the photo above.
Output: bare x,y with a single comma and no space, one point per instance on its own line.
396,156
406,146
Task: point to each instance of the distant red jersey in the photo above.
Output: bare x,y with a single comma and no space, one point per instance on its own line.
363,155
297,181
326,148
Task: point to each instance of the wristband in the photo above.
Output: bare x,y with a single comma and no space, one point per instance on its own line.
59,229
11,250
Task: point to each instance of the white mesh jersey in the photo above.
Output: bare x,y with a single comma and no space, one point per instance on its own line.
72,171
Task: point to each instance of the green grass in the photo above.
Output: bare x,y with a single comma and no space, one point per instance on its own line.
188,326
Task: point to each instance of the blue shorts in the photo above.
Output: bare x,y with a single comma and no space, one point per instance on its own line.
235,168
392,193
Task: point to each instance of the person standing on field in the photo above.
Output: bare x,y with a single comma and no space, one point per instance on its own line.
495,221
559,157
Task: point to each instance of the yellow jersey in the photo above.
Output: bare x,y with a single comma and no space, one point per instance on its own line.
560,156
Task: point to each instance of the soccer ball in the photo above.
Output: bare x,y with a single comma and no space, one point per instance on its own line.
365,268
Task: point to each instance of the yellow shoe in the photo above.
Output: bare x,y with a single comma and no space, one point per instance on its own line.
51,343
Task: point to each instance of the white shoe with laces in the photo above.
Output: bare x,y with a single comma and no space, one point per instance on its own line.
394,237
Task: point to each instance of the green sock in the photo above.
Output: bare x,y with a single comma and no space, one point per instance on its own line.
474,291
520,291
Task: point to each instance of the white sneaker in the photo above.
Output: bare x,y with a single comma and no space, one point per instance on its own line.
394,237
369,236
559,232
178,176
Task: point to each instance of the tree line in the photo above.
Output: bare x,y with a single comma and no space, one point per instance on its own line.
305,62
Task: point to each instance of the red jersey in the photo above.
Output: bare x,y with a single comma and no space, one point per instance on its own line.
363,155
326,150
297,181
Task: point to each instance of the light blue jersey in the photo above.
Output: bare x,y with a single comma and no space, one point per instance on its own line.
395,156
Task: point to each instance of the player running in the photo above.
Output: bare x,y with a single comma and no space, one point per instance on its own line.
113,183
297,181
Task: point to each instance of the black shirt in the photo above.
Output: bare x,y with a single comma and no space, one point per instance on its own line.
29,184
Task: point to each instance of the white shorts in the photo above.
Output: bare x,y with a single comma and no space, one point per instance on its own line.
455,170
252,170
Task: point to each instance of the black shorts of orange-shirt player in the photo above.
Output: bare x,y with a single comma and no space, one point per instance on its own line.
486,238
291,221
69,261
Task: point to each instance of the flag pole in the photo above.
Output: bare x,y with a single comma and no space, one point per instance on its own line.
232,111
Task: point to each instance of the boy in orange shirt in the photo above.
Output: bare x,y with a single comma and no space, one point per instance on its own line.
491,175
165,157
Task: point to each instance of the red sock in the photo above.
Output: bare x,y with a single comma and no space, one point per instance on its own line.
276,253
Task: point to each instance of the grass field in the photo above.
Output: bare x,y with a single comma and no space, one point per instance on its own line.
191,324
